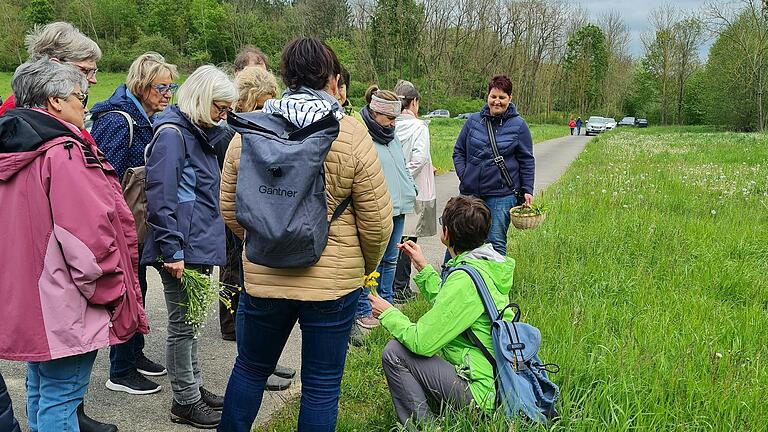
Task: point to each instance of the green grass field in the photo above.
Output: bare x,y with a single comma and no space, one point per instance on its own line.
443,133
648,282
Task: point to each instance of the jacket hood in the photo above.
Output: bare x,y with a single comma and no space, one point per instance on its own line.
121,101
304,106
408,124
511,111
23,135
485,259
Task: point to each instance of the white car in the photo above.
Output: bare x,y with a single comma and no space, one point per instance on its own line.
610,123
596,125
440,113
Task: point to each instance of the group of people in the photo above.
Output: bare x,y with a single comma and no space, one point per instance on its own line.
77,283
576,124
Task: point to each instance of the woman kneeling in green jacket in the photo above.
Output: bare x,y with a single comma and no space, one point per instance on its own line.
461,376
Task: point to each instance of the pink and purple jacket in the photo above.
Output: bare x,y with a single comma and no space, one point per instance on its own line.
69,255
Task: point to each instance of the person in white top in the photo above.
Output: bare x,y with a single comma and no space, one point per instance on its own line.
414,137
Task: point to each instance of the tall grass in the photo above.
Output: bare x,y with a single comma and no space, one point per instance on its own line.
443,134
648,282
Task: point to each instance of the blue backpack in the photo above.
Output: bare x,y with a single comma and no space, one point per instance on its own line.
522,385
281,200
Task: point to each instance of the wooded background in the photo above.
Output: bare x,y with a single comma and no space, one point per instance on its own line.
562,61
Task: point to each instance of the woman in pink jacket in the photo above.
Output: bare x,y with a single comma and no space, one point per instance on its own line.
69,284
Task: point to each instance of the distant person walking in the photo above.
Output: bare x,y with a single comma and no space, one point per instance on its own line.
579,123
504,185
572,125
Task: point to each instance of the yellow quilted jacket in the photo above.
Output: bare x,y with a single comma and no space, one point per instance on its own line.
356,240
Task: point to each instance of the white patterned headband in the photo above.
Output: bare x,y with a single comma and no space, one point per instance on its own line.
385,107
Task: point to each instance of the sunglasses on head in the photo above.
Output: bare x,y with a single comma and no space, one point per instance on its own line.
82,97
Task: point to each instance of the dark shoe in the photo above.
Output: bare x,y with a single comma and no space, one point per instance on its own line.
148,367
284,372
228,336
211,399
134,383
198,414
276,383
88,424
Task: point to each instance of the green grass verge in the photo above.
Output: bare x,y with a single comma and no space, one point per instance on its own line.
648,282
443,134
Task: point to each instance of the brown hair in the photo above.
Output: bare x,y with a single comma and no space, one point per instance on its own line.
248,53
308,62
407,92
253,83
383,94
502,83
468,221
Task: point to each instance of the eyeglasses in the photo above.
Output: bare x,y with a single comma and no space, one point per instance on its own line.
165,89
82,97
89,73
223,110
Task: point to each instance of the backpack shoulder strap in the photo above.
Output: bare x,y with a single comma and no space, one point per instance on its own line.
128,119
482,290
157,132
340,208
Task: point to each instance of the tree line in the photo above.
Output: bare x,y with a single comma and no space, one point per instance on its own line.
562,61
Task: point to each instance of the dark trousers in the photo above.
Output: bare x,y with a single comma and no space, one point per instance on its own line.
403,272
7,420
122,358
231,274
572,131
263,327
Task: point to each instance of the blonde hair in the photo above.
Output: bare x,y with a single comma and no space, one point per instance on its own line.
206,85
145,69
253,83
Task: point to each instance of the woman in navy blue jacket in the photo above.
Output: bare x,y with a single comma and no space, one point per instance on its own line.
474,160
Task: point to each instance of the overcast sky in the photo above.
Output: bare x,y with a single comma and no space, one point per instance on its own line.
636,13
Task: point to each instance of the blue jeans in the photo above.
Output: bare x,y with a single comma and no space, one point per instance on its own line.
386,269
263,326
55,388
499,207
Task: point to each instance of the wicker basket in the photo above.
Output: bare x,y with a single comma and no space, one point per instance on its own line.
525,221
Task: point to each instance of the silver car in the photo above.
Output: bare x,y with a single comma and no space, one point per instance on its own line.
596,125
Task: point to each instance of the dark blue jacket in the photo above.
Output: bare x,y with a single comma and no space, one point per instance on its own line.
110,130
7,421
183,194
473,156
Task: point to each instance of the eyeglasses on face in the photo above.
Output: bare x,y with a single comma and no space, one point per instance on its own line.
82,97
89,73
164,89
222,110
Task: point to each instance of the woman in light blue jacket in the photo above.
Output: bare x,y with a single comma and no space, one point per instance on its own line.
379,116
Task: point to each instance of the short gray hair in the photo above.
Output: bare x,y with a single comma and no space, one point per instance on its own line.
206,84
62,41
34,82
145,69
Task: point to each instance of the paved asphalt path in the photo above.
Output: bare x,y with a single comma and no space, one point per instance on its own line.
216,356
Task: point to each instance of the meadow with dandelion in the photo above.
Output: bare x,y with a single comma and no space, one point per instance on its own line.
648,282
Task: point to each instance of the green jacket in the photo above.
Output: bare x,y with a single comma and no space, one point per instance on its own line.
456,306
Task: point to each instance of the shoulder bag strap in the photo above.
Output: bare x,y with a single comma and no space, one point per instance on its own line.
498,159
161,127
128,119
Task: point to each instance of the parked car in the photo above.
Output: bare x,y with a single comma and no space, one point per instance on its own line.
627,121
595,125
610,123
440,113
642,123
463,116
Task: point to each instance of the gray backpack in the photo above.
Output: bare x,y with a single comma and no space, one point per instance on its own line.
281,200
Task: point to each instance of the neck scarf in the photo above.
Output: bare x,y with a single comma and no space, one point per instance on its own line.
379,133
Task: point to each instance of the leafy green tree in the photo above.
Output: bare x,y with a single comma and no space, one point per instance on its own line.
39,12
394,34
586,65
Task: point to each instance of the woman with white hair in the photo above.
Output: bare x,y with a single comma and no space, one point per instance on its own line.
185,229
74,288
64,43
122,128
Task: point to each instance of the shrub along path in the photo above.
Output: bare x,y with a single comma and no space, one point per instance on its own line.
151,412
